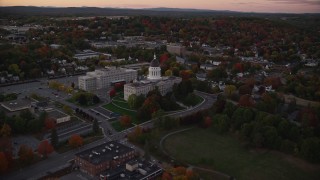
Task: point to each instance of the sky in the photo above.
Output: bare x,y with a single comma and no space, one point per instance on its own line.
284,6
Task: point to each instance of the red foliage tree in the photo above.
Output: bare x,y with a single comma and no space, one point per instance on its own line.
75,141
246,101
45,148
275,82
166,176
112,93
238,67
207,121
125,121
163,58
50,123
6,148
119,86
3,163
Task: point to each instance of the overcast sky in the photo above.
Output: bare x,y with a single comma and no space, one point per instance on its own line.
286,6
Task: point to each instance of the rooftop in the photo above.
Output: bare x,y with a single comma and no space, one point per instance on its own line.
56,114
16,105
145,170
104,152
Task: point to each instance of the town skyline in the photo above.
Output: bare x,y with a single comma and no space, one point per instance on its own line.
269,6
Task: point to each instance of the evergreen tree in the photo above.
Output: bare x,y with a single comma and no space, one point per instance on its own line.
54,138
95,126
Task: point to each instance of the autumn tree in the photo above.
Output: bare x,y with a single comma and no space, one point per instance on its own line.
112,93
45,148
25,154
229,90
5,130
207,121
246,101
75,141
125,121
3,163
50,123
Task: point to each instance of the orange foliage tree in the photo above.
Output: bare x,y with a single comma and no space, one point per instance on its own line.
45,148
246,101
75,141
207,121
26,154
125,121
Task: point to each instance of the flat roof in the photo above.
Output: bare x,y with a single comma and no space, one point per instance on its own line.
16,105
104,152
56,114
121,172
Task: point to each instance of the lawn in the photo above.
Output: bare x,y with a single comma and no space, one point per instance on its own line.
225,153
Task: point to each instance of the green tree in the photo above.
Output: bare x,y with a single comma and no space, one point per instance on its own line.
132,101
310,149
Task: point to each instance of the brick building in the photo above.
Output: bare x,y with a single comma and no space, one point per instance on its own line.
103,157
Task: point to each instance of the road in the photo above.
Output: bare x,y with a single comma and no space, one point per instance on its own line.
56,160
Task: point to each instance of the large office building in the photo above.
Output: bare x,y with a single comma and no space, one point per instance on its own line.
154,79
104,157
104,78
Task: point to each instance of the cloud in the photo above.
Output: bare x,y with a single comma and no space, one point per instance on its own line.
306,2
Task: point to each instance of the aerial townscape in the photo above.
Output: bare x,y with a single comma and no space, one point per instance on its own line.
146,90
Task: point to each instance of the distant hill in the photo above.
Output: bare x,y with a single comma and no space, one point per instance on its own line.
95,11
62,11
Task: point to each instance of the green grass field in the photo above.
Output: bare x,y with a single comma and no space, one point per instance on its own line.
225,153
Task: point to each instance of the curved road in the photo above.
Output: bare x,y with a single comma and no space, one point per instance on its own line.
57,160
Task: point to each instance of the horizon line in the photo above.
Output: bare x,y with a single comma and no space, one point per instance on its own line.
151,8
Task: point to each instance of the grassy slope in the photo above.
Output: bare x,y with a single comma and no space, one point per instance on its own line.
225,153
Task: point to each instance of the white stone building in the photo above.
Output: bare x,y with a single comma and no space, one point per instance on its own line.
103,78
164,84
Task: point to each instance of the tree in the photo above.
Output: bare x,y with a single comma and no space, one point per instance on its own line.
95,126
45,148
207,121
54,138
246,101
95,99
229,90
72,85
112,93
26,154
125,121
75,141
67,109
82,99
310,149
168,72
245,89
3,163
5,130
132,101
50,123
